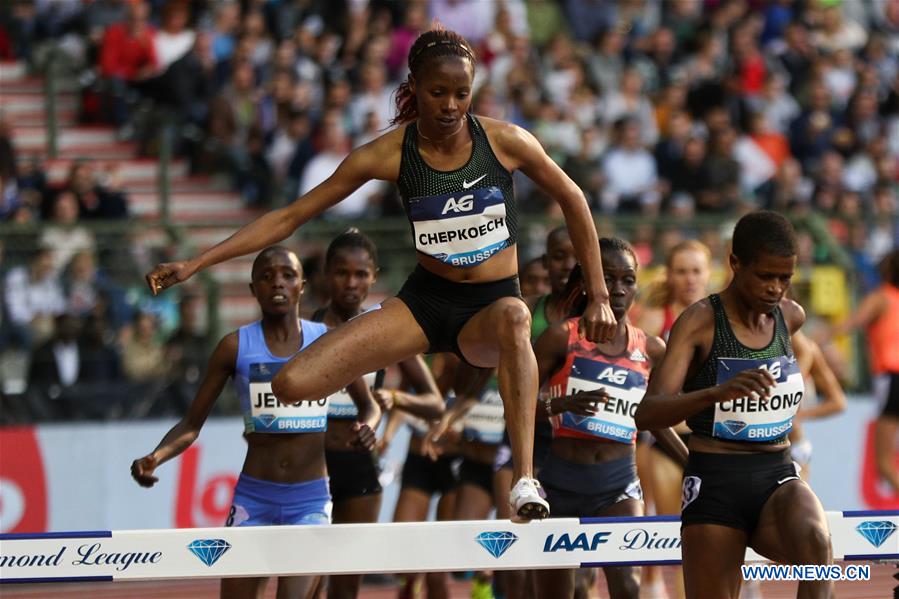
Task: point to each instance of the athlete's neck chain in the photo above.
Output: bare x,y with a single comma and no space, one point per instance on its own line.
461,126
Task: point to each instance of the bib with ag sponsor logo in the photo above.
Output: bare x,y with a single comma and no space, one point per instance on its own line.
463,228
464,216
269,415
485,422
754,418
622,377
341,405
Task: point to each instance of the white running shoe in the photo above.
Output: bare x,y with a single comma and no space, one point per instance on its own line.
527,501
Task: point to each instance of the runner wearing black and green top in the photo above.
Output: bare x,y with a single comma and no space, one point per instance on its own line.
731,374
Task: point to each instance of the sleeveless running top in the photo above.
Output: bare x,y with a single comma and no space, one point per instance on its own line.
624,378
883,346
748,418
253,373
485,421
460,217
340,405
539,323
668,323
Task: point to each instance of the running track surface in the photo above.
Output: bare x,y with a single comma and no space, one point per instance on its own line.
880,586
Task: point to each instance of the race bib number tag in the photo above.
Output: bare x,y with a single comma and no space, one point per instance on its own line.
461,229
269,415
485,422
341,405
614,419
757,419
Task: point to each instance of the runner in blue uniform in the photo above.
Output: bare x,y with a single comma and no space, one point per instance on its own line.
283,479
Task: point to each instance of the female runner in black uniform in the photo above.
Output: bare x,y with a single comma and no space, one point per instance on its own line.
351,267
454,173
731,373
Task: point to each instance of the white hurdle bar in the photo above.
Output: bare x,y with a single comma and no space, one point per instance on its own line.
386,548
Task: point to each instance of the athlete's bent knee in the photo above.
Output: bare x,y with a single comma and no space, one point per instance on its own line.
515,321
817,543
287,388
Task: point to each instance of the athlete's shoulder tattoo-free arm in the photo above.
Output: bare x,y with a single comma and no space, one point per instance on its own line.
664,404
220,368
527,155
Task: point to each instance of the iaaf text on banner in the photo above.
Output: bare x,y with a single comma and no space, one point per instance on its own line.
410,547
40,491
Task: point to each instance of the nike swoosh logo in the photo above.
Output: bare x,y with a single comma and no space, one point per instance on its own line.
466,184
783,480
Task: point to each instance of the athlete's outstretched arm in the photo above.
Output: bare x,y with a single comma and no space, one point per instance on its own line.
665,404
183,434
426,402
598,322
362,165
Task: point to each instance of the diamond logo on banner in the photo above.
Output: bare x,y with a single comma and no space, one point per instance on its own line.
876,531
734,426
496,543
209,550
267,419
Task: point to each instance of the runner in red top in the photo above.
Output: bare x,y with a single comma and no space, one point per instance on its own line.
594,391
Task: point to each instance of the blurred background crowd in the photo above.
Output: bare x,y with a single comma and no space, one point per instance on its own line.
673,116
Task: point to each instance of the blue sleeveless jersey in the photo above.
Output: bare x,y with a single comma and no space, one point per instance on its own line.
255,368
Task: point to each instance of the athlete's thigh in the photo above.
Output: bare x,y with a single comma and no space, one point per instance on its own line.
479,338
668,482
369,342
412,506
622,581
362,509
472,502
243,588
446,506
787,521
712,556
297,587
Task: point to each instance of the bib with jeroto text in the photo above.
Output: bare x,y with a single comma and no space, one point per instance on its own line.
269,415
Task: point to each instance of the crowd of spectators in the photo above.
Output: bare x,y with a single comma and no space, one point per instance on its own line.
673,111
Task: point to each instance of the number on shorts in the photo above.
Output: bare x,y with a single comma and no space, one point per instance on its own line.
690,490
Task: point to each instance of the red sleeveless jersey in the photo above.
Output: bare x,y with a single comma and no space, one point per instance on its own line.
624,377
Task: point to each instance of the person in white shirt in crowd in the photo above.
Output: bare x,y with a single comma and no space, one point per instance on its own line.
32,297
335,147
630,172
64,234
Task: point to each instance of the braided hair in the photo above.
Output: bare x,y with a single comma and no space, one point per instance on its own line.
430,45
